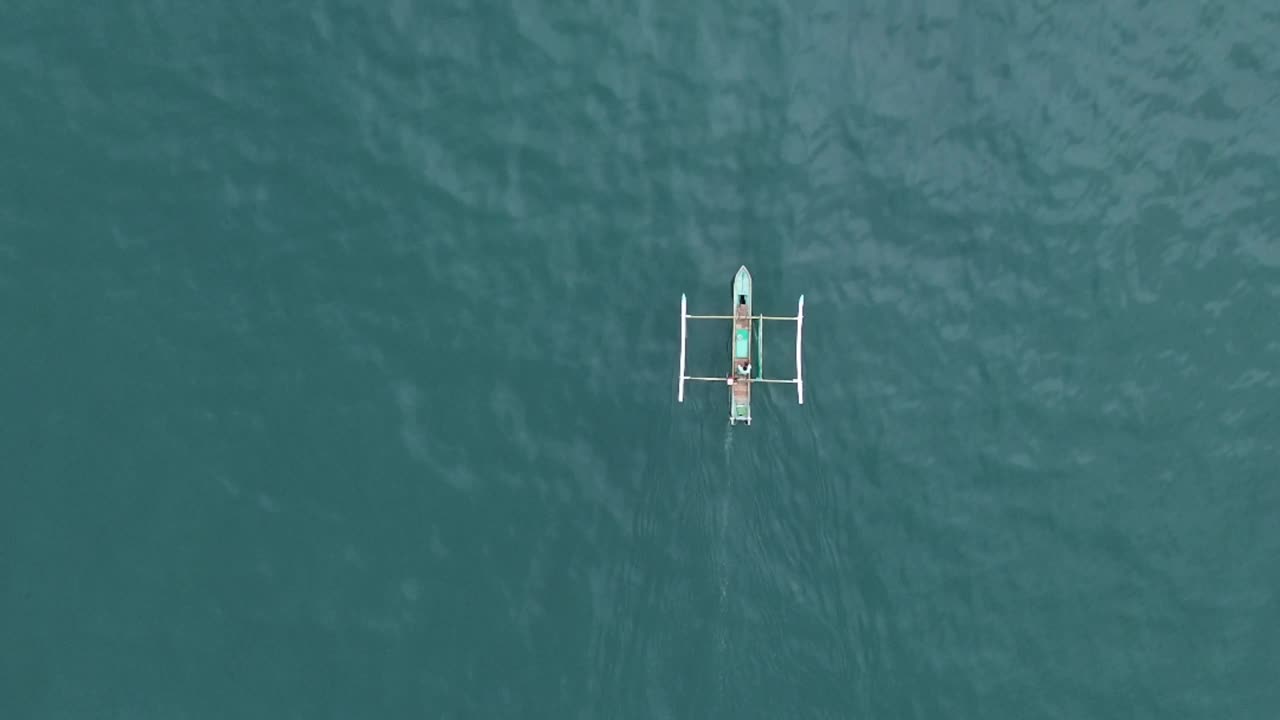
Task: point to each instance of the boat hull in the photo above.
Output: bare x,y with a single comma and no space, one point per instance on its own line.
740,349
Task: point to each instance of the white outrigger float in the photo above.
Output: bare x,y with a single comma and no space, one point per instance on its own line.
740,378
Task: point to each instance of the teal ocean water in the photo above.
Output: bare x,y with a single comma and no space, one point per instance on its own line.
340,344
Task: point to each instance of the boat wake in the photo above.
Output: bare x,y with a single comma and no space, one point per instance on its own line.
720,551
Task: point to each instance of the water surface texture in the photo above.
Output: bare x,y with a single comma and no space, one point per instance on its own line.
340,345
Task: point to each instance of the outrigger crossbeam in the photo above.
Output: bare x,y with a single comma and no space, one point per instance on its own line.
739,377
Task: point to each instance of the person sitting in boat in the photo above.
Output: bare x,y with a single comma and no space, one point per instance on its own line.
745,369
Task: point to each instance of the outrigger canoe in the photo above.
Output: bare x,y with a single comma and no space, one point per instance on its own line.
746,327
